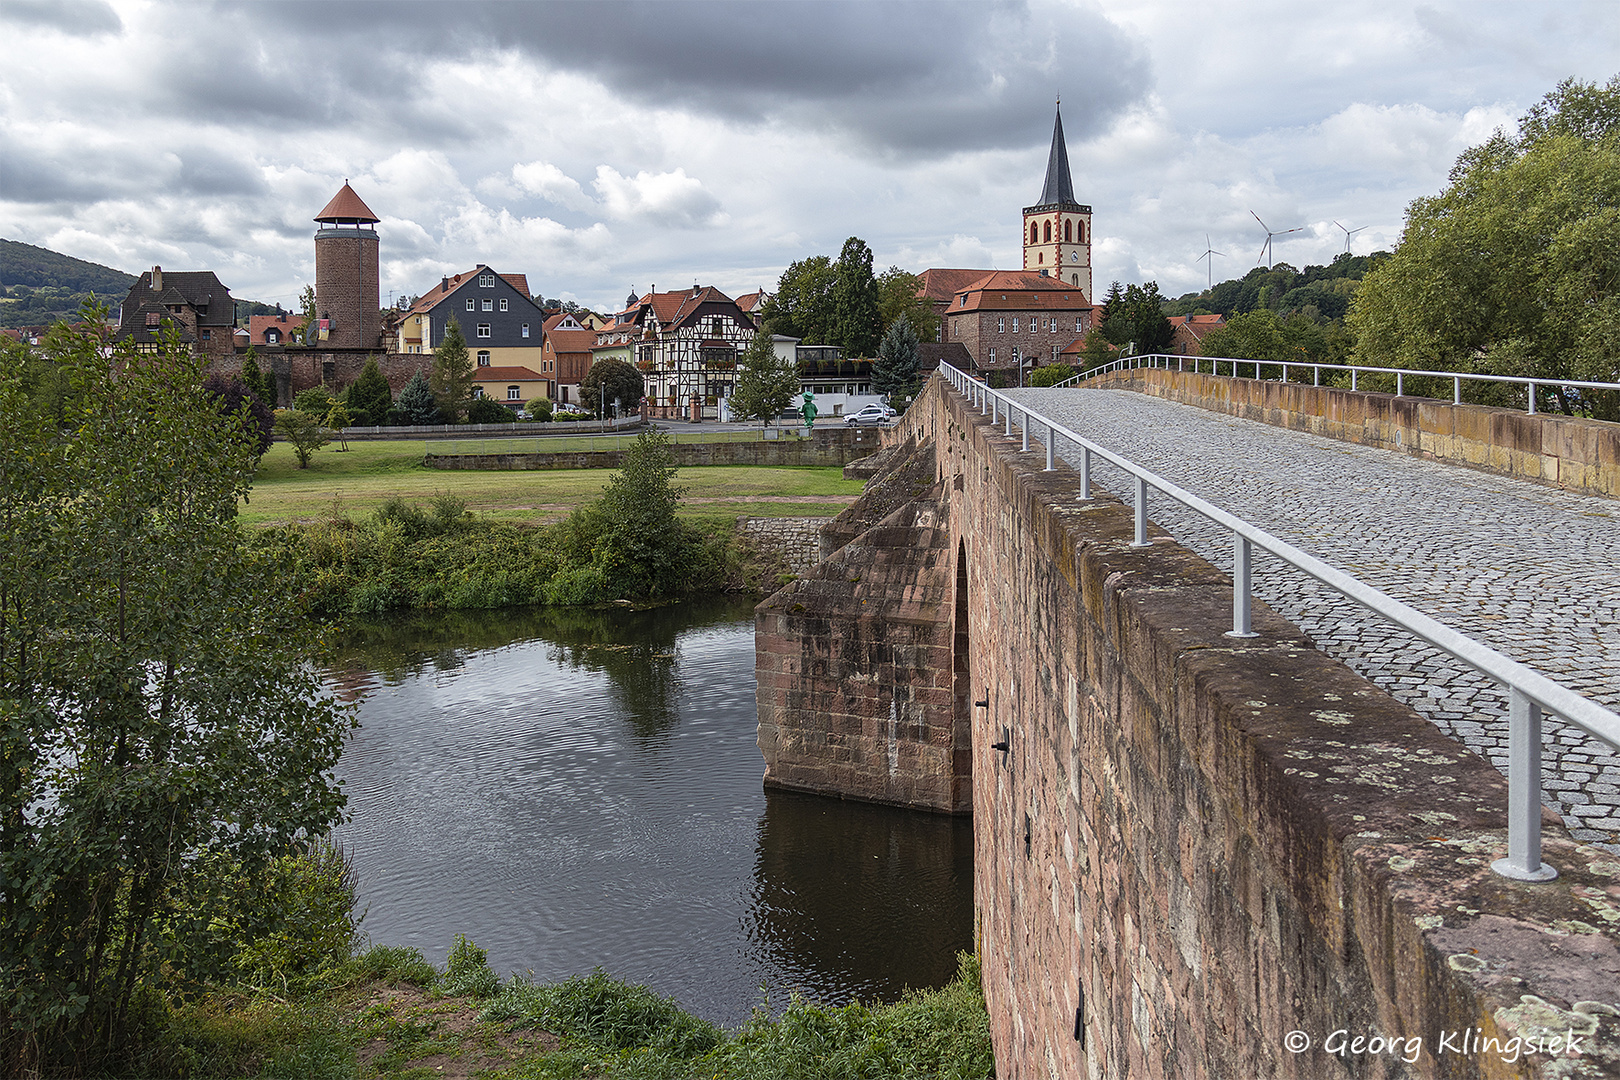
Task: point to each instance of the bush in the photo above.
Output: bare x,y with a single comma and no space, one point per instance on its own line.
467,972
540,409
317,401
489,411
1050,375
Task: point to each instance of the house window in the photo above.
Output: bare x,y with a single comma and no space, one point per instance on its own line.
483,329
271,337
483,358
992,354
419,320
1001,324
486,281
469,303
489,305
1078,324
525,329
514,393
1015,324
503,303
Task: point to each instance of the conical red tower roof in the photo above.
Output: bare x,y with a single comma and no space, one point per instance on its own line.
346,207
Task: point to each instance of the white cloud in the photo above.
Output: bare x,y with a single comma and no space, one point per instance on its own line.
669,198
552,184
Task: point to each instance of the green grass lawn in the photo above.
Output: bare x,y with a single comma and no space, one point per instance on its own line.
362,478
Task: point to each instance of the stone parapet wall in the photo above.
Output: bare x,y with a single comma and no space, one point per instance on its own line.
1191,852
1571,452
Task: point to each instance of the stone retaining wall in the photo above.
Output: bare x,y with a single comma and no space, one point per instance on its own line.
1574,453
827,447
796,539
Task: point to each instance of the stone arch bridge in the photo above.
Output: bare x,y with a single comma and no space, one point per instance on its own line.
1200,856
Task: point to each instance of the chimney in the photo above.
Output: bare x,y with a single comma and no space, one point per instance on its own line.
157,279
444,284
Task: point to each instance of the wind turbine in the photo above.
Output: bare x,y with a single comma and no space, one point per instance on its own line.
1348,233
1265,249
1208,251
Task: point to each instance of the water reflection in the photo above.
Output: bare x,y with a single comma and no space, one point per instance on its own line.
574,789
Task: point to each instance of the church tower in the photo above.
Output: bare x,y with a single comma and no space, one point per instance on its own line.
1057,229
346,282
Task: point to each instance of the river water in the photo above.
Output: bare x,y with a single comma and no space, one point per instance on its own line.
574,789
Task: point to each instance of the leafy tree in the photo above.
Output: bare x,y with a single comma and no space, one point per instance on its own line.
1112,303
1097,351
302,432
1261,335
487,410
1137,316
540,409
897,296
453,374
766,383
369,397
857,324
234,399
612,379
1515,267
801,307
157,705
643,547
337,421
415,404
894,372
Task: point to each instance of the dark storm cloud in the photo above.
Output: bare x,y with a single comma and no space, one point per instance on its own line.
79,18
28,175
914,80
208,172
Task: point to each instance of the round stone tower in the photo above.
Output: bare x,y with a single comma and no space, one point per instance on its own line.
346,283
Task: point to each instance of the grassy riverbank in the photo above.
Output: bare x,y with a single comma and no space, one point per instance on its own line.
387,1013
359,481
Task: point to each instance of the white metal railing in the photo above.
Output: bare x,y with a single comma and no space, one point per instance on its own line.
1529,692
1163,360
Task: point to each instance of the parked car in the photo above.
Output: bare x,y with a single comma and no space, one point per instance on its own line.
870,414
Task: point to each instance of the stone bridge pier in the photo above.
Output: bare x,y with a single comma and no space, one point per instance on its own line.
1195,856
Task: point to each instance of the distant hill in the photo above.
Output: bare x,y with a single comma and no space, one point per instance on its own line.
1323,290
41,286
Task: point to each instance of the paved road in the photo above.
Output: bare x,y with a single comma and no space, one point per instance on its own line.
1530,570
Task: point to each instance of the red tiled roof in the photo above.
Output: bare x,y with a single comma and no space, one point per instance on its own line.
562,341
750,302
943,284
520,282
288,324
1197,325
506,374
1020,290
347,206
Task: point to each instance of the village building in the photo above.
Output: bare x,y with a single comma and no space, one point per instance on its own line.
1011,321
686,347
278,329
346,279
1189,333
566,357
513,387
502,324
194,302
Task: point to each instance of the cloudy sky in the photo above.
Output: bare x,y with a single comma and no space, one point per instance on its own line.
602,146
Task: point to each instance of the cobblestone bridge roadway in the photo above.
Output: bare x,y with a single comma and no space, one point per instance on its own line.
1530,570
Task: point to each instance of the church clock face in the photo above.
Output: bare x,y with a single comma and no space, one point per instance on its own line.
1074,256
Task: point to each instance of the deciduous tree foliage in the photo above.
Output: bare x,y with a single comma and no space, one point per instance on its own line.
1515,267
1137,316
857,324
766,383
612,380
801,307
897,296
453,375
156,704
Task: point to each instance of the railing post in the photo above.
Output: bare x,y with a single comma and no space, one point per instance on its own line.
1456,391
1051,437
1532,397
1352,378
1024,427
1316,374
1400,384
1242,605
1141,514
1008,411
1523,862
1085,472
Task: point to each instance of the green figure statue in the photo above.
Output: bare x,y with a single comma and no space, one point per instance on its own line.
809,410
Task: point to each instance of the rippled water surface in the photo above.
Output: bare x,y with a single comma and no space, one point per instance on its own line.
579,789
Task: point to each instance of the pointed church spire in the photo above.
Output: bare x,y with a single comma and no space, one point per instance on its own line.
1059,186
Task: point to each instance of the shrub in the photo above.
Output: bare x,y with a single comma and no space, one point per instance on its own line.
317,401
540,409
1050,375
467,972
489,411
